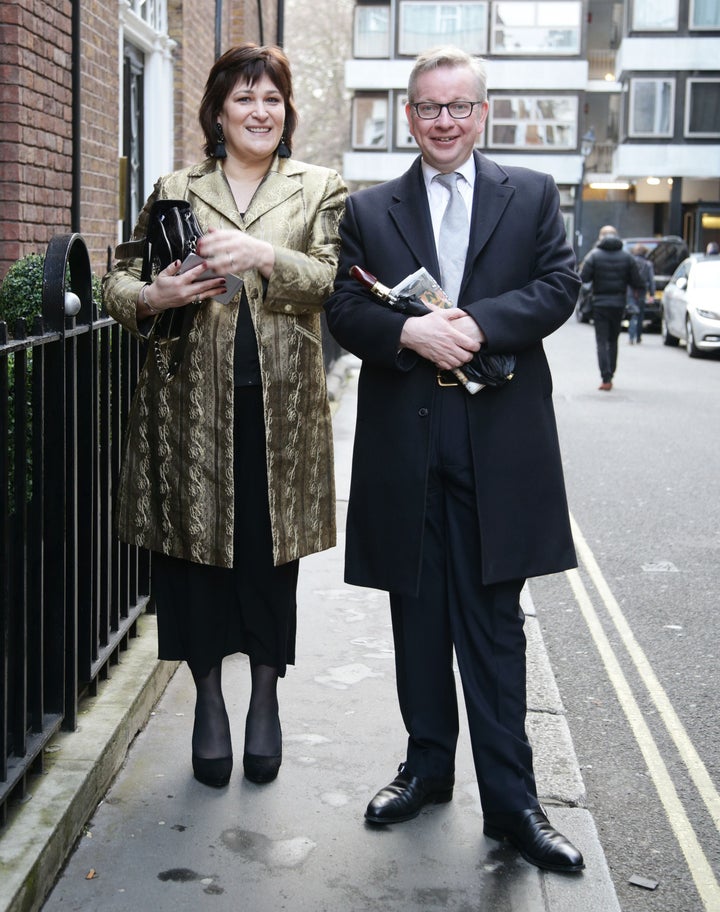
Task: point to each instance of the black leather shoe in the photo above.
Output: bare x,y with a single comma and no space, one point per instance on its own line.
406,796
213,772
535,838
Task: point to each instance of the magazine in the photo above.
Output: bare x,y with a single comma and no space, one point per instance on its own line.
422,287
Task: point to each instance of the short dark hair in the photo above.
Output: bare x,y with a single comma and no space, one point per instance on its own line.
448,56
249,62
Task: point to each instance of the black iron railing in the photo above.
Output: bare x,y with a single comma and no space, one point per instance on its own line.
70,594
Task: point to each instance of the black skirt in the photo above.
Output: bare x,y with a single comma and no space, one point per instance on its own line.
206,613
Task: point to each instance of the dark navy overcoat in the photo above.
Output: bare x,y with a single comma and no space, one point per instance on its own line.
520,285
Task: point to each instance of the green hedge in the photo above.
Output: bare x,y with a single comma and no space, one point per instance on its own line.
21,290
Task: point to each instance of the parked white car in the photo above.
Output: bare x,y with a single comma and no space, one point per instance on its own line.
691,305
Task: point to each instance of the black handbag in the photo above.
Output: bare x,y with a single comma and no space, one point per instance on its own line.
172,234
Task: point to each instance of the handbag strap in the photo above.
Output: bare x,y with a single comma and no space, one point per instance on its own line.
130,249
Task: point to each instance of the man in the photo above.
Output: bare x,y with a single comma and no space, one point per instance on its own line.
456,499
611,269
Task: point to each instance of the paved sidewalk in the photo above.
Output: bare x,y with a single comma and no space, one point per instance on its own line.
161,841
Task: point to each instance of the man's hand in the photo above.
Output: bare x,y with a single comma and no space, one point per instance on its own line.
449,338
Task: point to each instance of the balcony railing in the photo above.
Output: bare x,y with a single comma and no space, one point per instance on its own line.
601,64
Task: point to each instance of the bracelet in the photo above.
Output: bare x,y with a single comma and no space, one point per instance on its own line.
144,300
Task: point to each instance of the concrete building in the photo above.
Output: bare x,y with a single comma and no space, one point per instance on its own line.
619,101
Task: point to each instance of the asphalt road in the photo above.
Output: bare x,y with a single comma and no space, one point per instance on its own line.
633,634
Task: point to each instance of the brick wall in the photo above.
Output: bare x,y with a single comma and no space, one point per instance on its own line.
192,27
35,126
100,95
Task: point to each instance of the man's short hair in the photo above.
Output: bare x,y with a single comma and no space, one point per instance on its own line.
448,56
607,231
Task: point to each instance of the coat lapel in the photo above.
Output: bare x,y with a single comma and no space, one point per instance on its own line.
277,187
490,199
213,189
411,213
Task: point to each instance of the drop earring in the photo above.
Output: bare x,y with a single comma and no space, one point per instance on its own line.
283,150
220,151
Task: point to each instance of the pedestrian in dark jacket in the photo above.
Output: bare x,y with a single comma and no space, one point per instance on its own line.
611,269
637,298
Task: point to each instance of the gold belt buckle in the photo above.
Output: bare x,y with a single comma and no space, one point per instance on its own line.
443,379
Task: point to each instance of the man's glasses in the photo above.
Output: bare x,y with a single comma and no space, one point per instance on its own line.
458,110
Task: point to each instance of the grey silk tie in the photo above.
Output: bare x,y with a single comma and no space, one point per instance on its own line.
453,242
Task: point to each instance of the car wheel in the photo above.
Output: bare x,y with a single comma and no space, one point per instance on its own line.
692,348
667,337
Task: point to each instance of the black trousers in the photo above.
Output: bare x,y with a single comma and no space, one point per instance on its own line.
483,625
608,323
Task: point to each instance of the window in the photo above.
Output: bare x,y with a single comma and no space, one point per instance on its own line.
655,15
702,108
372,31
369,122
133,138
651,107
704,14
536,28
152,12
533,122
425,25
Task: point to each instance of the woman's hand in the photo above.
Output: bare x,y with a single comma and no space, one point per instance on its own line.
170,289
234,251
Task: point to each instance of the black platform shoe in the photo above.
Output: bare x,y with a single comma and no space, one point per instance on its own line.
262,768
214,772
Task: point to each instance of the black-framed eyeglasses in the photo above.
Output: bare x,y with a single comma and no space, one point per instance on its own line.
458,110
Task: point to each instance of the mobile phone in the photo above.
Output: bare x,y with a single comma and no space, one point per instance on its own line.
233,282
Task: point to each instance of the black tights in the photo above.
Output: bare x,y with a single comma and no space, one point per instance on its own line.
211,733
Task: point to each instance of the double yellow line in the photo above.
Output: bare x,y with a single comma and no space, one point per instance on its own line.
702,873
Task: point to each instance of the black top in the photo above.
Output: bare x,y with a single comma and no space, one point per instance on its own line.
246,363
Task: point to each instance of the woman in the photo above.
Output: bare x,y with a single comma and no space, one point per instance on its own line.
227,473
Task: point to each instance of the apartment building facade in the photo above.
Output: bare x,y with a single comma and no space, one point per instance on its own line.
618,99
98,100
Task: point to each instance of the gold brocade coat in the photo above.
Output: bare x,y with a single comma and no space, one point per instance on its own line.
176,492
